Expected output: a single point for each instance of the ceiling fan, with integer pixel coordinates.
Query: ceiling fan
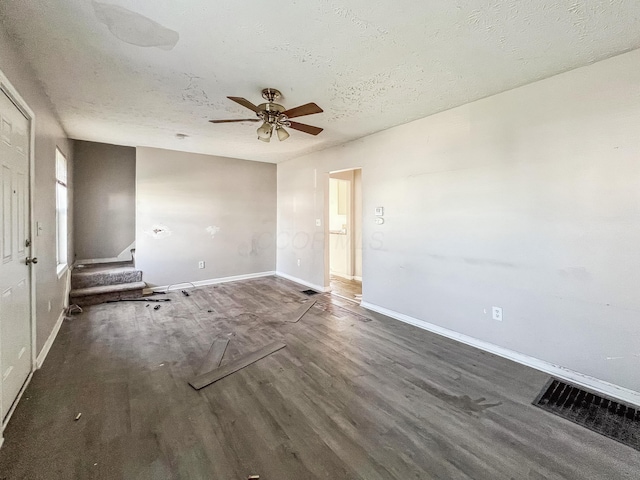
(275, 117)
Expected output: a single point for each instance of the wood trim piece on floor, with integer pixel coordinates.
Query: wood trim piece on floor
(213, 358)
(303, 282)
(206, 379)
(299, 313)
(211, 281)
(601, 386)
(47, 345)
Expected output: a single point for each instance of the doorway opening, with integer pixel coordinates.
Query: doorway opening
(345, 234)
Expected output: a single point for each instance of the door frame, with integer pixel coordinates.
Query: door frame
(327, 237)
(10, 91)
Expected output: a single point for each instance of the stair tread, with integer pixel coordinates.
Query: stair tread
(85, 272)
(120, 287)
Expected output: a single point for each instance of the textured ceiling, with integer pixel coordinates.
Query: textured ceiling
(134, 72)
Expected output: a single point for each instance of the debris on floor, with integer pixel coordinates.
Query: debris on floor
(157, 307)
(74, 309)
(185, 293)
(213, 376)
(254, 477)
(77, 417)
(156, 300)
(298, 314)
(213, 358)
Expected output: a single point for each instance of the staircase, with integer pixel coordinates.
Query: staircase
(94, 283)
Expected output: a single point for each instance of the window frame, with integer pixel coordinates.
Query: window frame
(62, 231)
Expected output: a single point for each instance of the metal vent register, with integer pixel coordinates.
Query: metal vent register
(603, 415)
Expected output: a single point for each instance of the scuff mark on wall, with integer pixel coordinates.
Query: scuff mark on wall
(212, 230)
(133, 28)
(159, 231)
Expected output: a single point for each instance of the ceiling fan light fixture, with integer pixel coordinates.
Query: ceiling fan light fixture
(265, 131)
(282, 134)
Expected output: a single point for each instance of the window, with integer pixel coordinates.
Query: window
(62, 200)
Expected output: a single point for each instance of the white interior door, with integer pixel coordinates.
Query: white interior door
(15, 285)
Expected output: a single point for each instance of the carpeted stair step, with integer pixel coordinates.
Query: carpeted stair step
(104, 293)
(102, 276)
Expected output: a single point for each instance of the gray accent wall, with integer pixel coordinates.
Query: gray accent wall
(105, 199)
(49, 134)
(193, 208)
(528, 200)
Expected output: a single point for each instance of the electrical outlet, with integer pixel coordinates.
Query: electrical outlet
(318, 222)
(497, 313)
(201, 264)
(298, 262)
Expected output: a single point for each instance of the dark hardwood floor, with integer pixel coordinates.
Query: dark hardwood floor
(354, 395)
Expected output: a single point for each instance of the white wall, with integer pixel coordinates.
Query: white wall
(104, 199)
(528, 200)
(216, 209)
(49, 134)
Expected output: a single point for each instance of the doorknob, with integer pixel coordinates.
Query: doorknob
(29, 261)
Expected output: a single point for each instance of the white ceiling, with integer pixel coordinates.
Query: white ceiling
(136, 72)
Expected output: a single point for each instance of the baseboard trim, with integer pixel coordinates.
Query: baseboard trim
(343, 275)
(14, 406)
(624, 394)
(49, 343)
(303, 282)
(211, 281)
(357, 278)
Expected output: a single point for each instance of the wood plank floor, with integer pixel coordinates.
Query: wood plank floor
(349, 289)
(354, 395)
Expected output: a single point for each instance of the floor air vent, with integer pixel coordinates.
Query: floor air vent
(603, 415)
(309, 292)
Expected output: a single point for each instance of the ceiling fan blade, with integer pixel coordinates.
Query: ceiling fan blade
(239, 120)
(308, 109)
(245, 103)
(310, 129)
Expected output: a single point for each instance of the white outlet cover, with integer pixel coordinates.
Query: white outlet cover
(318, 222)
(497, 313)
(379, 211)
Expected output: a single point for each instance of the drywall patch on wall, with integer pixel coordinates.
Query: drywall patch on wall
(133, 28)
(159, 231)
(212, 230)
